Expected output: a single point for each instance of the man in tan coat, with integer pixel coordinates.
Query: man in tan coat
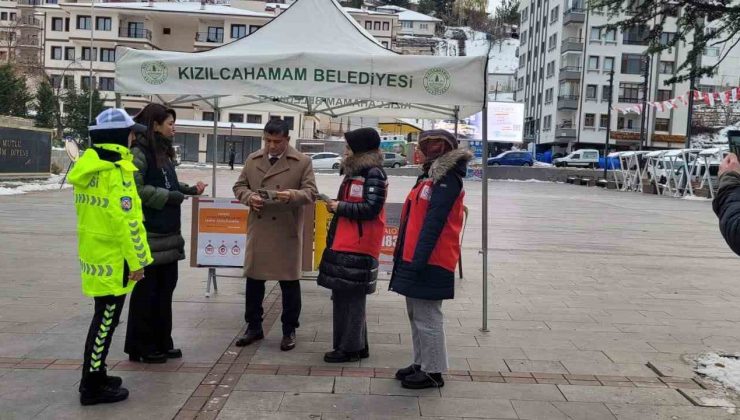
(276, 183)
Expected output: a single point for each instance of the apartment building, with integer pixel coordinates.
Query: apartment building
(417, 32)
(565, 57)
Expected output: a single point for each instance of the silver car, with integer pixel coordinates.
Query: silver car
(393, 160)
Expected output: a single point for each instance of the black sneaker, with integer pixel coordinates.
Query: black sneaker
(403, 373)
(338, 356)
(423, 380)
(102, 395)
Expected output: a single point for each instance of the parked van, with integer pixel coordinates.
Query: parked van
(587, 158)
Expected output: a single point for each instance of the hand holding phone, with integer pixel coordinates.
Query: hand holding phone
(733, 140)
(267, 195)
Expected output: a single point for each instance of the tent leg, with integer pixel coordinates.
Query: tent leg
(484, 228)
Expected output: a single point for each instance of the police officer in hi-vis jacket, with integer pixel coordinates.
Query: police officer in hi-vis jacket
(113, 249)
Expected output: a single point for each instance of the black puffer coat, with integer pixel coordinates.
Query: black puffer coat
(727, 207)
(345, 271)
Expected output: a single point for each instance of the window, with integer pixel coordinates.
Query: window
(106, 84)
(630, 92)
(108, 55)
(57, 24)
(595, 33)
(550, 69)
(85, 82)
(386, 26)
(608, 64)
(605, 92)
(555, 14)
(589, 120)
(56, 53)
(66, 24)
(4, 16)
(591, 92)
(166, 31)
(86, 56)
(610, 35)
(523, 38)
(236, 118)
(84, 22)
(662, 124)
(593, 62)
(636, 35)
(368, 25)
(547, 123)
(521, 61)
(215, 34)
(69, 53)
(69, 82)
(208, 116)
(376, 25)
(290, 121)
(254, 119)
(384, 44)
(238, 31)
(548, 95)
(525, 15)
(103, 24)
(553, 41)
(666, 67)
(604, 121)
(711, 52)
(12, 17)
(666, 38)
(56, 81)
(632, 63)
(520, 83)
(664, 95)
(253, 28)
(424, 26)
(407, 24)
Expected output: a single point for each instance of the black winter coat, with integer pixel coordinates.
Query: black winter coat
(346, 271)
(418, 279)
(727, 207)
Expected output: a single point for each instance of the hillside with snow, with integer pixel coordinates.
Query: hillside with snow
(503, 53)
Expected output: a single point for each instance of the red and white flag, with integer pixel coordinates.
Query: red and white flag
(669, 104)
(684, 99)
(733, 94)
(709, 99)
(698, 95)
(725, 97)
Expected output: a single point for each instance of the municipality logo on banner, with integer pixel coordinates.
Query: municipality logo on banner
(154, 72)
(437, 81)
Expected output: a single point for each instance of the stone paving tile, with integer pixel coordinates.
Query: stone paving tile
(534, 392)
(541, 410)
(348, 385)
(251, 401)
(621, 369)
(350, 404)
(657, 412)
(465, 407)
(239, 415)
(535, 366)
(285, 383)
(655, 396)
(393, 387)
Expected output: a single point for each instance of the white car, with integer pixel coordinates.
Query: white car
(326, 160)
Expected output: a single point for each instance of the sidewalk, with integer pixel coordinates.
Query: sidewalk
(598, 299)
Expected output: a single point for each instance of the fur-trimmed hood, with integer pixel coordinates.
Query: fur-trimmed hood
(456, 160)
(354, 164)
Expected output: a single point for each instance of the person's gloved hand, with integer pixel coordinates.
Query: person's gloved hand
(175, 198)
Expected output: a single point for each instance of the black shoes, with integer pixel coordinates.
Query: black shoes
(338, 356)
(110, 381)
(102, 395)
(423, 380)
(249, 338)
(173, 354)
(151, 358)
(288, 342)
(407, 371)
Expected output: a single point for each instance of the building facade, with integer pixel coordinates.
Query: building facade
(565, 57)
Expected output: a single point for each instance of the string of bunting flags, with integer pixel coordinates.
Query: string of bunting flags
(711, 99)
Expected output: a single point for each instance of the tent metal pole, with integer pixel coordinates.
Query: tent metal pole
(484, 227)
(216, 118)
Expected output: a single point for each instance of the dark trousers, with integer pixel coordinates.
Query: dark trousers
(150, 311)
(291, 304)
(350, 323)
(99, 337)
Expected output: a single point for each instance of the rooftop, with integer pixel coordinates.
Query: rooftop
(409, 15)
(167, 7)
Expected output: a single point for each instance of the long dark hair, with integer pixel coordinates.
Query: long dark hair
(157, 113)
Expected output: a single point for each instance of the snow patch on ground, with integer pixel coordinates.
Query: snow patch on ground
(503, 54)
(26, 186)
(695, 198)
(725, 370)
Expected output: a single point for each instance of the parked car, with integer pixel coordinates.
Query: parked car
(586, 158)
(512, 158)
(326, 160)
(393, 160)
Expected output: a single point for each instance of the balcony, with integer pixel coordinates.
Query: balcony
(575, 15)
(568, 102)
(570, 73)
(209, 37)
(131, 33)
(571, 45)
(629, 100)
(28, 42)
(30, 3)
(565, 133)
(635, 41)
(29, 22)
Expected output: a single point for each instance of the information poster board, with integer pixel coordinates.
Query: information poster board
(219, 236)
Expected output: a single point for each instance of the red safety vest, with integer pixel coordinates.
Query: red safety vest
(446, 252)
(358, 236)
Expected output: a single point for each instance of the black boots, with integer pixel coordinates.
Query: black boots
(98, 388)
(152, 358)
(407, 371)
(250, 337)
(423, 380)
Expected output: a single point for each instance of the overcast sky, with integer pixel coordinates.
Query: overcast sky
(492, 5)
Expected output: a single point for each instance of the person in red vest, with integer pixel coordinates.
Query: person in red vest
(427, 252)
(349, 265)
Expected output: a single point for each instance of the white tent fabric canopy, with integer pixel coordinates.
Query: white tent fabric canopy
(316, 57)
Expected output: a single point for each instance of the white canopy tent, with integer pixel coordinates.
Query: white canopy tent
(316, 59)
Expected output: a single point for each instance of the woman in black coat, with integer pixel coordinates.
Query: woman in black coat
(149, 332)
(349, 266)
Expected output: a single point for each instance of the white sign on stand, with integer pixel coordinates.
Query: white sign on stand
(219, 233)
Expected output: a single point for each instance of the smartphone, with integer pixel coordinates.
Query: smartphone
(267, 195)
(323, 197)
(733, 140)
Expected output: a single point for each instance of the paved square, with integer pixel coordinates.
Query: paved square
(598, 300)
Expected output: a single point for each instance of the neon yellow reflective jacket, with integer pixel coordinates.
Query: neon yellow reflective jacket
(110, 225)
